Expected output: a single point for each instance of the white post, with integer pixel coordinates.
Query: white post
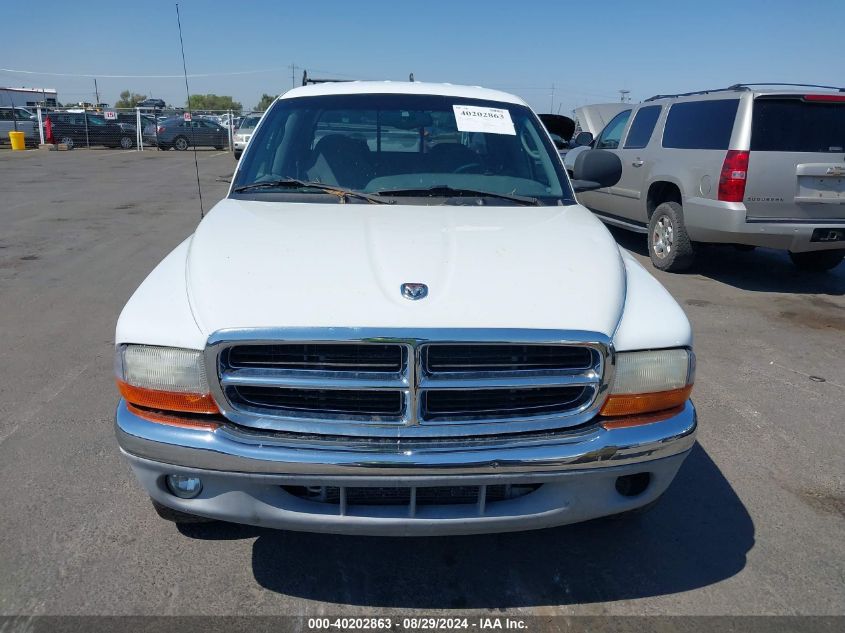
(40, 125)
(231, 133)
(139, 133)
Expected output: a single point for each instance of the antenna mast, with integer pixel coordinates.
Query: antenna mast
(188, 107)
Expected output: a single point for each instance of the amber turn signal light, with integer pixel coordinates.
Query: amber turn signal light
(636, 403)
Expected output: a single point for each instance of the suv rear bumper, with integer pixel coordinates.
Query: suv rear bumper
(243, 473)
(725, 222)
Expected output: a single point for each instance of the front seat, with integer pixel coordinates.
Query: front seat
(342, 160)
(445, 158)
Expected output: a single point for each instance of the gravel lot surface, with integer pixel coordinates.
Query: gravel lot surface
(754, 523)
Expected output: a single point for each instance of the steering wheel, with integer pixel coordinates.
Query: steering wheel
(465, 168)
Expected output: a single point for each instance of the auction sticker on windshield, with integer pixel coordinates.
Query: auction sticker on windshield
(478, 119)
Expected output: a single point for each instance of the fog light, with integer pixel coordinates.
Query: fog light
(184, 486)
(632, 485)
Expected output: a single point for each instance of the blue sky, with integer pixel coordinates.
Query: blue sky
(588, 50)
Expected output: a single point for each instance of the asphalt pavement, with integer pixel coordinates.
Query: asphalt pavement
(754, 523)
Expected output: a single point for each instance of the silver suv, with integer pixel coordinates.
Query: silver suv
(752, 165)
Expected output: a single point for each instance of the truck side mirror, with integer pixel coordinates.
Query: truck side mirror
(595, 169)
(583, 138)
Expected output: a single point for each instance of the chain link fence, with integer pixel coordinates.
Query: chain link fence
(140, 129)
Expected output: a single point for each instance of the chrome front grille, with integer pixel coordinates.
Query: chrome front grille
(399, 383)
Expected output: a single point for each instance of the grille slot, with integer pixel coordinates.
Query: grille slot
(318, 357)
(490, 403)
(501, 358)
(333, 401)
(411, 497)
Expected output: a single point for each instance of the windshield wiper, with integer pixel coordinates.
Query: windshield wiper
(446, 190)
(293, 183)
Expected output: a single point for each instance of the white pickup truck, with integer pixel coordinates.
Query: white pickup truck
(400, 321)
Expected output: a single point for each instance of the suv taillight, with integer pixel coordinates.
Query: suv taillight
(160, 129)
(733, 176)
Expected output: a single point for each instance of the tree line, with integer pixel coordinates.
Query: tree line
(129, 99)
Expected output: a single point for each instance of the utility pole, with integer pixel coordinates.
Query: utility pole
(623, 95)
(293, 68)
(96, 92)
(552, 108)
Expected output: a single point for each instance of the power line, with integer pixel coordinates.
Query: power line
(102, 76)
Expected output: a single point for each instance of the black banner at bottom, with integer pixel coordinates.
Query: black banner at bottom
(401, 623)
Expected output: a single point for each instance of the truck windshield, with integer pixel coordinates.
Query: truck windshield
(421, 146)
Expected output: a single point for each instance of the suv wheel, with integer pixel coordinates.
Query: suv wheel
(66, 140)
(126, 142)
(669, 245)
(180, 143)
(169, 514)
(817, 261)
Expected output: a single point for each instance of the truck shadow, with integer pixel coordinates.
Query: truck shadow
(762, 270)
(699, 534)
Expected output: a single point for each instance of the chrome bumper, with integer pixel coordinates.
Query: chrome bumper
(230, 449)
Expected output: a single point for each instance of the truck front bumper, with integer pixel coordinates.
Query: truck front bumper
(254, 478)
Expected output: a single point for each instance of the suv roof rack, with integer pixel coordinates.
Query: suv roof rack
(745, 86)
(306, 80)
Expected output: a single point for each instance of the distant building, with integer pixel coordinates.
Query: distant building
(29, 97)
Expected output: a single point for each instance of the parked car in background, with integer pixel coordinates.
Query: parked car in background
(22, 114)
(227, 120)
(244, 132)
(179, 134)
(155, 104)
(560, 129)
(591, 120)
(20, 120)
(374, 334)
(752, 165)
(81, 129)
(130, 118)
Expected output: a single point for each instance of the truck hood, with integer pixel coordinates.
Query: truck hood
(270, 264)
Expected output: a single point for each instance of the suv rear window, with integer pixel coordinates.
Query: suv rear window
(700, 124)
(794, 125)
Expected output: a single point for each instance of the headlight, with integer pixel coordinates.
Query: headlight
(650, 381)
(163, 378)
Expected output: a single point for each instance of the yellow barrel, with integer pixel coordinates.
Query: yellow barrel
(17, 140)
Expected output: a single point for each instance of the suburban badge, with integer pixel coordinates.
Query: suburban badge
(414, 292)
